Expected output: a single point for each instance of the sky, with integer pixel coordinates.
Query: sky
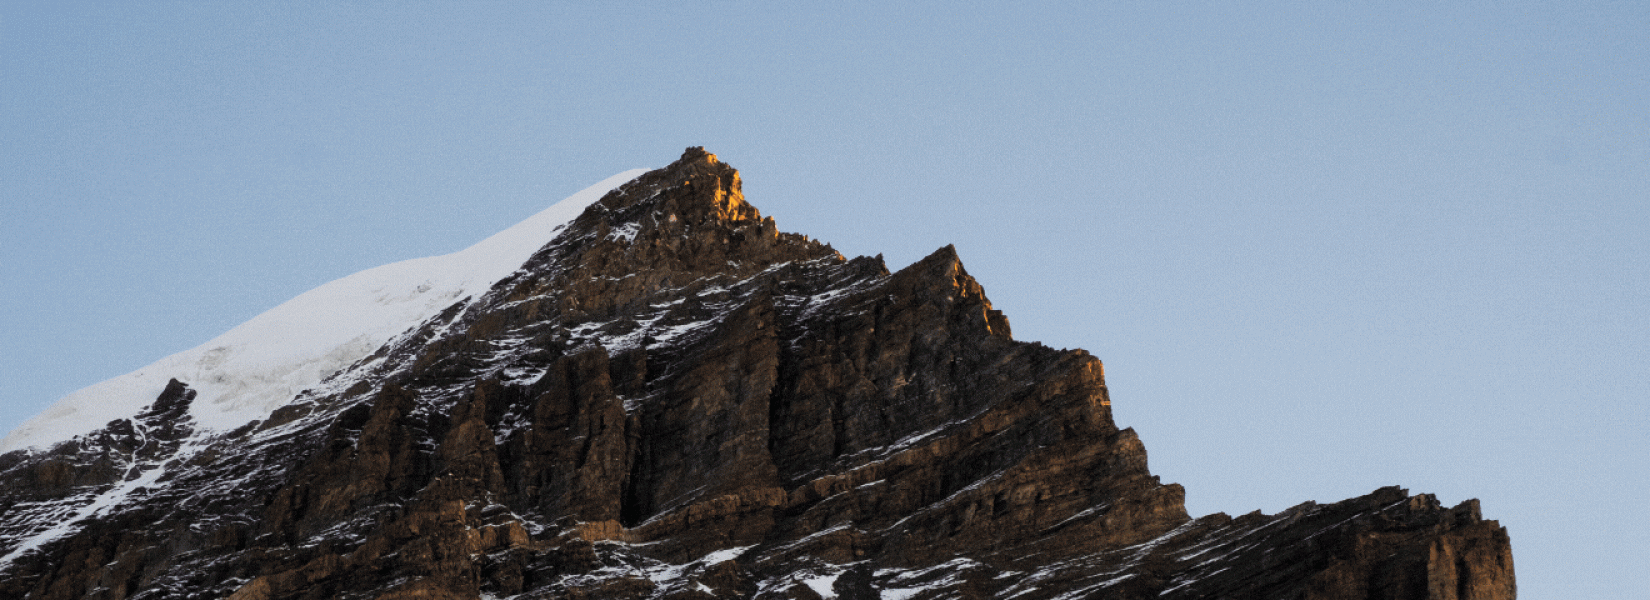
(1321, 249)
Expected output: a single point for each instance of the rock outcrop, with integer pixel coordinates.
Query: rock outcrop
(674, 399)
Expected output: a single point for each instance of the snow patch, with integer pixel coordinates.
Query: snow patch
(70, 525)
(625, 233)
(948, 576)
(823, 585)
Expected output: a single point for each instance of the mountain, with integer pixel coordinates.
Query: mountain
(649, 391)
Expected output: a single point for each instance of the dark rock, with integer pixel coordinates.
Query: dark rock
(672, 399)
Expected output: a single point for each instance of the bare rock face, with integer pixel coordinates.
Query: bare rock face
(673, 399)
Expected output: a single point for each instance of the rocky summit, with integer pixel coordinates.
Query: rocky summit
(674, 399)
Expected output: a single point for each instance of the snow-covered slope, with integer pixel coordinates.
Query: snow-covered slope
(262, 364)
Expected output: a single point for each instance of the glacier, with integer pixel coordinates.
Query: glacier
(262, 364)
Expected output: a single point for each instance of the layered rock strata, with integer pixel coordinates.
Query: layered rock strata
(674, 399)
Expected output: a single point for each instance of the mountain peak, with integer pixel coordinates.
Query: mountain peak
(697, 185)
(697, 154)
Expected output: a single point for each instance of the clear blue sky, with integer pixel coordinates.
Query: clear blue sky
(1320, 249)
